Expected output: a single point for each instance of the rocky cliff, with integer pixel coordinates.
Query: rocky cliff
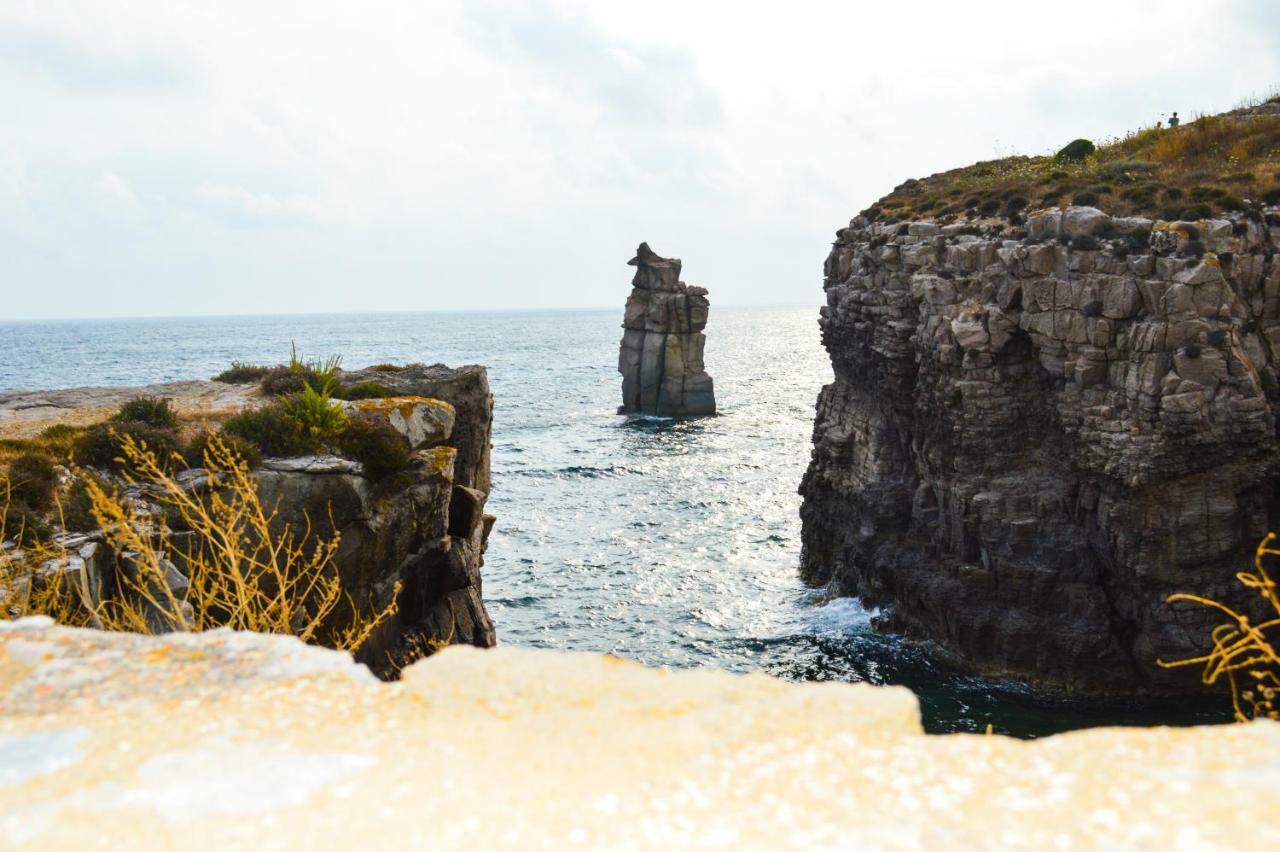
(660, 357)
(241, 740)
(1039, 429)
(422, 529)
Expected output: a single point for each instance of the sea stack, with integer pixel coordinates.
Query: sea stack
(662, 341)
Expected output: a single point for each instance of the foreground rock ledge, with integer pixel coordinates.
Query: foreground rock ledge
(252, 741)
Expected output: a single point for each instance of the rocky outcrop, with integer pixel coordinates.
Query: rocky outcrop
(423, 530)
(250, 741)
(1035, 435)
(662, 343)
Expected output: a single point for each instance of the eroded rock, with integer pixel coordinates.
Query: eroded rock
(661, 355)
(1019, 460)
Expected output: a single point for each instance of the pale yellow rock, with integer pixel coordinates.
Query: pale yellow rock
(240, 741)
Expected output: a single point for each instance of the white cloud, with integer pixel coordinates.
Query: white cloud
(403, 155)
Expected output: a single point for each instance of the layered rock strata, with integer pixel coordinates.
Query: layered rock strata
(252, 741)
(1037, 434)
(661, 355)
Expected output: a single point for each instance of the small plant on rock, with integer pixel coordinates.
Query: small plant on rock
(364, 390)
(153, 411)
(272, 429)
(376, 444)
(1075, 151)
(239, 373)
(320, 420)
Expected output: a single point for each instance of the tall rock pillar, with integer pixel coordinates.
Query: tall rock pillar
(662, 341)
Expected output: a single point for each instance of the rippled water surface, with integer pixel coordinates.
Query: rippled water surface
(669, 542)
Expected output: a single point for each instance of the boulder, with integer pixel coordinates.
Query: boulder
(423, 421)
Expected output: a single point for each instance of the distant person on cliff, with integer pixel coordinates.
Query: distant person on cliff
(1174, 121)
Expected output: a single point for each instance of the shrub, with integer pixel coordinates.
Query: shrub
(375, 444)
(282, 381)
(101, 445)
(22, 524)
(1085, 199)
(1173, 193)
(1075, 151)
(197, 448)
(989, 207)
(150, 410)
(76, 511)
(1271, 196)
(1084, 242)
(320, 421)
(1193, 233)
(1196, 211)
(395, 368)
(1050, 198)
(33, 481)
(1016, 204)
(58, 440)
(1191, 350)
(239, 374)
(364, 390)
(1195, 248)
(272, 429)
(1204, 193)
(1231, 203)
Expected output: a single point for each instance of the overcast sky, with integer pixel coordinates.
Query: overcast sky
(261, 157)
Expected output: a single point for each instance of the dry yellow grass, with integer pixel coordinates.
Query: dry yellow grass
(1222, 161)
(245, 570)
(1243, 652)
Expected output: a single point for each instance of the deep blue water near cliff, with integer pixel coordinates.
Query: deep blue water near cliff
(669, 542)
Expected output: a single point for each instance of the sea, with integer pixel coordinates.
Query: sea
(670, 542)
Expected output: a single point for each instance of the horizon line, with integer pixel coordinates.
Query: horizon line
(127, 317)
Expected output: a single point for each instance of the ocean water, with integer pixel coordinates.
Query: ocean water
(668, 542)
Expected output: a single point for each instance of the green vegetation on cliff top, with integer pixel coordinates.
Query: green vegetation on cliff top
(1212, 165)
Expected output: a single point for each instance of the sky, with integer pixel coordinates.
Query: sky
(183, 158)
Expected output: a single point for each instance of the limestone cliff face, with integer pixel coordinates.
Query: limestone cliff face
(1035, 435)
(662, 343)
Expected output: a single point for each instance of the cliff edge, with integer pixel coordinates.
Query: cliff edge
(1043, 422)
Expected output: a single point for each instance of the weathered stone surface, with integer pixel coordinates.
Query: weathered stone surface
(24, 413)
(660, 357)
(467, 390)
(1018, 464)
(232, 740)
(421, 420)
